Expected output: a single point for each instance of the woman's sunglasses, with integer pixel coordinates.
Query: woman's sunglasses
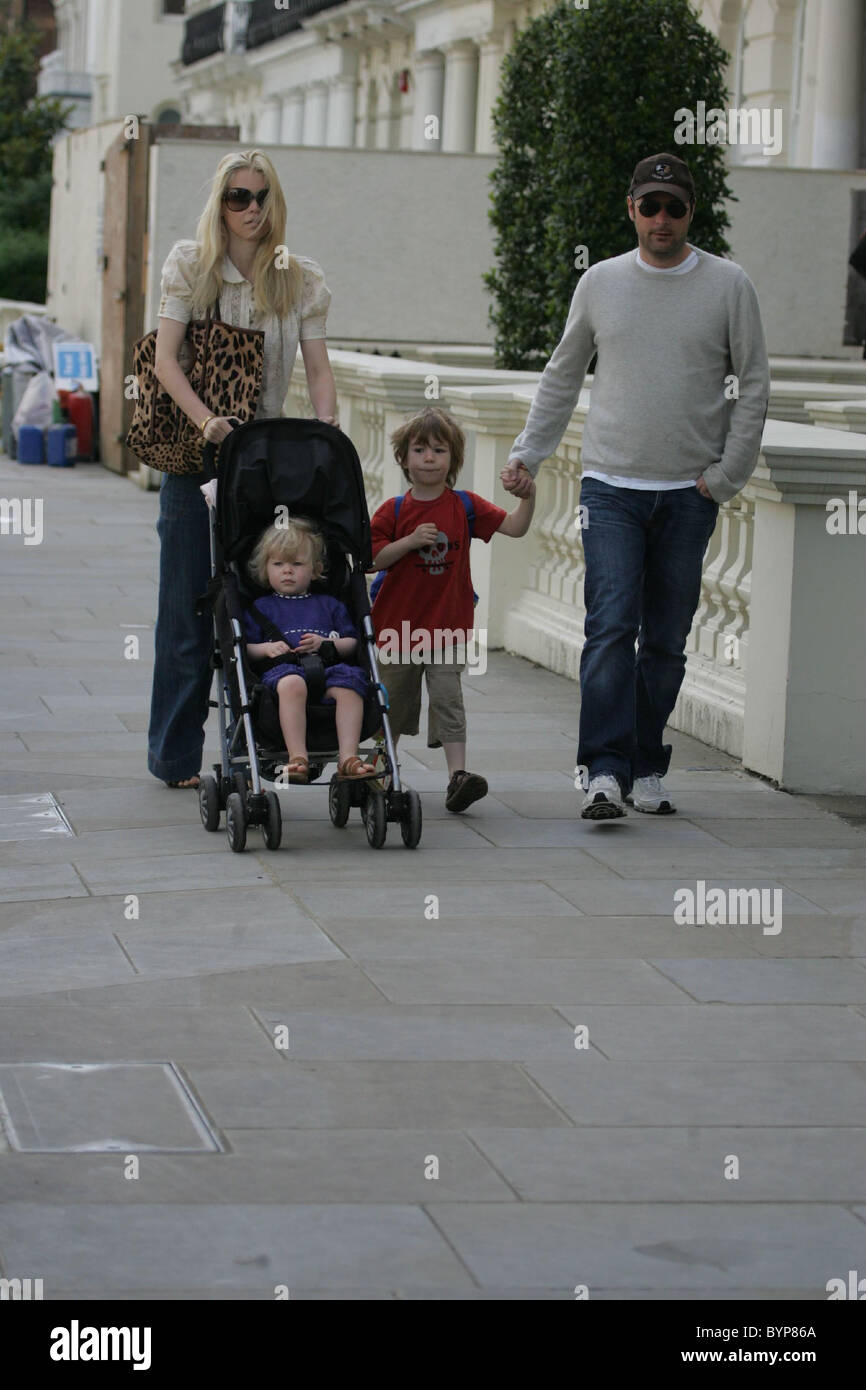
(237, 199)
(648, 207)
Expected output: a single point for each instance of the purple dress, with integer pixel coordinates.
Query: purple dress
(295, 614)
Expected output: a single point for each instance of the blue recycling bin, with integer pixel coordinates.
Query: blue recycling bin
(31, 444)
(61, 445)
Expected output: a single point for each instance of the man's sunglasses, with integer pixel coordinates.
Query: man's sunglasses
(648, 207)
(237, 199)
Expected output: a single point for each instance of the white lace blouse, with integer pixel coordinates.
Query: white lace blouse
(236, 307)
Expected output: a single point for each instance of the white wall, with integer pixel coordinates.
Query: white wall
(74, 296)
(403, 238)
(790, 233)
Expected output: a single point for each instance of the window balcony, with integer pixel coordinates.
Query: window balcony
(252, 23)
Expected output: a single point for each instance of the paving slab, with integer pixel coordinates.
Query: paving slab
(272, 1167)
(719, 1031)
(709, 1245)
(382, 1094)
(769, 981)
(523, 981)
(673, 1164)
(228, 1246)
(704, 1092)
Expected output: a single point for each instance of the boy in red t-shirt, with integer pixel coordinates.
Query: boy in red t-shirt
(423, 613)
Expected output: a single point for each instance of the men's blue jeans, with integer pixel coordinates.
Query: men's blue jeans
(644, 553)
(182, 673)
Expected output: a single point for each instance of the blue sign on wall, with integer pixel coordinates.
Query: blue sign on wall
(74, 363)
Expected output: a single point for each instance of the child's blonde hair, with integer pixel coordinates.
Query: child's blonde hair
(430, 426)
(298, 537)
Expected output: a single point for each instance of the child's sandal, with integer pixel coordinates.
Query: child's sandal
(296, 771)
(349, 770)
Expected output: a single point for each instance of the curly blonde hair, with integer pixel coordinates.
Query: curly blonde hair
(298, 537)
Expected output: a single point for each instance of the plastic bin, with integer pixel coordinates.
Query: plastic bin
(61, 445)
(31, 444)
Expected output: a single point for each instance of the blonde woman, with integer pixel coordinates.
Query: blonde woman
(235, 257)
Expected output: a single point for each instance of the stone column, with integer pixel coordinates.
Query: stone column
(461, 89)
(429, 87)
(838, 92)
(270, 121)
(292, 128)
(315, 113)
(341, 110)
(805, 716)
(489, 63)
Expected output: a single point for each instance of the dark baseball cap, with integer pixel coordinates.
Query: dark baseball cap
(662, 173)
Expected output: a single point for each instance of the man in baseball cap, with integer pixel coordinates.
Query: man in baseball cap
(664, 443)
(662, 173)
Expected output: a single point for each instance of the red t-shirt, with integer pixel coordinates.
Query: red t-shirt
(430, 588)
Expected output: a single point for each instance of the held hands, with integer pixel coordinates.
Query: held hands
(425, 534)
(516, 479)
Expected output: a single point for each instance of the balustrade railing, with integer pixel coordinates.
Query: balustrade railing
(540, 614)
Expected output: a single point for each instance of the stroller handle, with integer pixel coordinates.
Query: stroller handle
(208, 462)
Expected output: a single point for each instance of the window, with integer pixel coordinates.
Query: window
(173, 6)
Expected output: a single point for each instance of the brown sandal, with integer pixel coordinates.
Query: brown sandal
(301, 774)
(347, 770)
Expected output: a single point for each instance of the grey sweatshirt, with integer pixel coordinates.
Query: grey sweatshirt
(658, 407)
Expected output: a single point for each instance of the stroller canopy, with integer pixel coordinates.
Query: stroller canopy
(305, 465)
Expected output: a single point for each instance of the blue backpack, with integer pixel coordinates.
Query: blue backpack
(470, 521)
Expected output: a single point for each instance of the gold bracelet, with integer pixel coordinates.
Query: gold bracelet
(206, 422)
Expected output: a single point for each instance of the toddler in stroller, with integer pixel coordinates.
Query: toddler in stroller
(289, 624)
(301, 685)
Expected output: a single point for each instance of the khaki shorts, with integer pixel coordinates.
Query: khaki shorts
(446, 719)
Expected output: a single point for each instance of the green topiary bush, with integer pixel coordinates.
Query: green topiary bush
(585, 94)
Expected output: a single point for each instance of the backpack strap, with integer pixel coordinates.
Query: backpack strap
(379, 579)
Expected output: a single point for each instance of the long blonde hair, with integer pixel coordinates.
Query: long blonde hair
(275, 290)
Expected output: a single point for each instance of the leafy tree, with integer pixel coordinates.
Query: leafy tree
(28, 124)
(585, 94)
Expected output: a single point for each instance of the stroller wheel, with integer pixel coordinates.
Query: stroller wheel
(410, 825)
(236, 823)
(273, 826)
(375, 820)
(339, 802)
(209, 802)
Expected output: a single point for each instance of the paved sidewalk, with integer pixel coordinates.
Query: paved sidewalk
(221, 1074)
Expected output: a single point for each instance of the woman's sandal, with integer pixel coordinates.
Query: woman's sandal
(186, 784)
(296, 771)
(347, 771)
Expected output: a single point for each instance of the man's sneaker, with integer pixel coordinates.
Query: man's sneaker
(603, 800)
(649, 794)
(463, 789)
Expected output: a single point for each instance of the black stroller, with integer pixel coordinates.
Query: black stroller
(312, 470)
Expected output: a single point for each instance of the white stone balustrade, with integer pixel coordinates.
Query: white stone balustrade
(776, 670)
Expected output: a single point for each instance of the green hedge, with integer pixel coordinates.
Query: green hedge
(585, 94)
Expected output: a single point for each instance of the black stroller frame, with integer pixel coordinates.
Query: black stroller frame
(310, 469)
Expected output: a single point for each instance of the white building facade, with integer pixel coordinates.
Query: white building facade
(424, 74)
(115, 58)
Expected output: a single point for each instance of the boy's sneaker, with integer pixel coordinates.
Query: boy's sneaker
(463, 789)
(603, 800)
(649, 794)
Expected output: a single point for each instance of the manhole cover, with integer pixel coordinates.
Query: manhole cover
(32, 817)
(101, 1107)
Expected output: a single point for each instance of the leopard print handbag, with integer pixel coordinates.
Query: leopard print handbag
(224, 367)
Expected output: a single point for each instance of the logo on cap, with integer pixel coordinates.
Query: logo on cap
(663, 171)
